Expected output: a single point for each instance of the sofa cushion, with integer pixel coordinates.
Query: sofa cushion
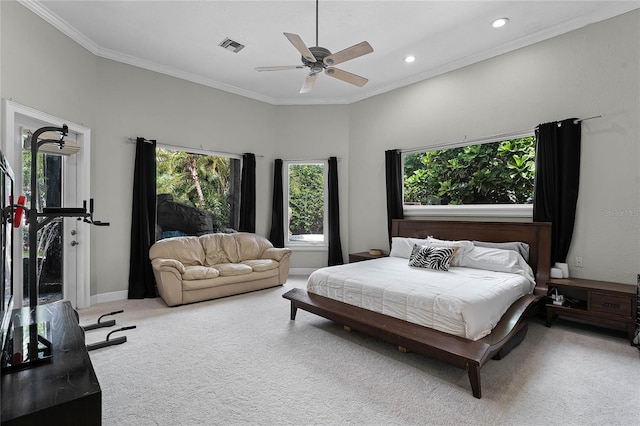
(214, 248)
(233, 248)
(242, 280)
(251, 246)
(199, 273)
(260, 265)
(187, 250)
(233, 269)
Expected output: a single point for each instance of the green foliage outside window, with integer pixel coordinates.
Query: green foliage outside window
(306, 199)
(202, 181)
(491, 173)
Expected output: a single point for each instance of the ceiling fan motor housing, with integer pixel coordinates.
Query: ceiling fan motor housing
(319, 53)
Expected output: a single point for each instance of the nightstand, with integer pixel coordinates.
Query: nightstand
(364, 255)
(600, 302)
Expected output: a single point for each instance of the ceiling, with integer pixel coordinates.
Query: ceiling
(181, 38)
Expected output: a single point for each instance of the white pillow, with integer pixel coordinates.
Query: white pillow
(402, 246)
(493, 259)
(464, 247)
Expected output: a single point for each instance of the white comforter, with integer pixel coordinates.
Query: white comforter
(463, 301)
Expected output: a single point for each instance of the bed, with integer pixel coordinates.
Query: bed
(456, 350)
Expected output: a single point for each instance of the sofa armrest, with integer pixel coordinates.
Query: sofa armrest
(168, 265)
(275, 253)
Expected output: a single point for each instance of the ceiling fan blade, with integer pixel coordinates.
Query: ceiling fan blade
(280, 68)
(346, 76)
(352, 52)
(302, 48)
(309, 82)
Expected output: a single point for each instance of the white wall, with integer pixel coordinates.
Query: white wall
(134, 102)
(588, 72)
(311, 133)
(44, 69)
(592, 71)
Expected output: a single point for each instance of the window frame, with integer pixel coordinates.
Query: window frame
(468, 210)
(306, 245)
(205, 152)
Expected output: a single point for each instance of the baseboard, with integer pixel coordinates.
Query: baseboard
(109, 297)
(301, 271)
(123, 294)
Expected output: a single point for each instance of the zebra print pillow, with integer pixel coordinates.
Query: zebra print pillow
(430, 257)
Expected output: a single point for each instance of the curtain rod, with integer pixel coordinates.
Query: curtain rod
(494, 138)
(579, 120)
(185, 148)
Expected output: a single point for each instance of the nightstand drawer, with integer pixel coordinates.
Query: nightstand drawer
(610, 304)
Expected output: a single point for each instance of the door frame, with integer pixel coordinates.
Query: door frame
(14, 114)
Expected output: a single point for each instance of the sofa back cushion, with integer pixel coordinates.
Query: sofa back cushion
(214, 248)
(251, 246)
(187, 250)
(233, 248)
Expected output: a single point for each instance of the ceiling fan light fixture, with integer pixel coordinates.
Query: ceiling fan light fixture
(500, 22)
(319, 59)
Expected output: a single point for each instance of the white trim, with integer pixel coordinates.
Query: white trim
(471, 210)
(302, 271)
(306, 246)
(109, 297)
(15, 112)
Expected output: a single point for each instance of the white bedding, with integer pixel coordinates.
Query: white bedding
(463, 301)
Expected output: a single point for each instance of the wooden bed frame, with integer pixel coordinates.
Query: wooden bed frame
(457, 351)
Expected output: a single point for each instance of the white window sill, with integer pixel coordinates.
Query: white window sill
(477, 210)
(307, 247)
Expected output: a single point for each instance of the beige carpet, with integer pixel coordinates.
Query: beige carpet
(240, 360)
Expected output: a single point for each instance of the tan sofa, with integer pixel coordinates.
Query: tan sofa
(192, 269)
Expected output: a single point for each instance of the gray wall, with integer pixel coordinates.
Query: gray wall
(588, 72)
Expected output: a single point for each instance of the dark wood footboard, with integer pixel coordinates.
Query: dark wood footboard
(457, 351)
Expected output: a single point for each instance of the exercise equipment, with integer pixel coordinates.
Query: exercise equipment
(108, 342)
(109, 323)
(36, 338)
(20, 208)
(100, 323)
(38, 219)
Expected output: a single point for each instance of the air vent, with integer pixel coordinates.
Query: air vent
(231, 45)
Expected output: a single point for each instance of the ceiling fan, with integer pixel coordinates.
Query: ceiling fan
(319, 59)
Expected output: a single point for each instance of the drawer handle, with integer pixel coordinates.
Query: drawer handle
(611, 305)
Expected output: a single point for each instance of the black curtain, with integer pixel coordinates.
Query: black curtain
(556, 181)
(335, 246)
(393, 172)
(276, 235)
(143, 221)
(248, 194)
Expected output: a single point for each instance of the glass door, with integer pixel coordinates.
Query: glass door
(56, 239)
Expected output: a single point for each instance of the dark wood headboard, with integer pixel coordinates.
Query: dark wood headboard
(536, 234)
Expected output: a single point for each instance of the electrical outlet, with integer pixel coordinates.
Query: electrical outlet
(578, 262)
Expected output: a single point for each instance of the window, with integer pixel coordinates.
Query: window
(487, 177)
(203, 189)
(306, 203)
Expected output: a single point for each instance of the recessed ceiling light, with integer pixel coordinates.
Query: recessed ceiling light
(409, 59)
(500, 22)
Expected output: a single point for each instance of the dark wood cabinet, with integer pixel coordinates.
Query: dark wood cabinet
(600, 302)
(64, 391)
(364, 255)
